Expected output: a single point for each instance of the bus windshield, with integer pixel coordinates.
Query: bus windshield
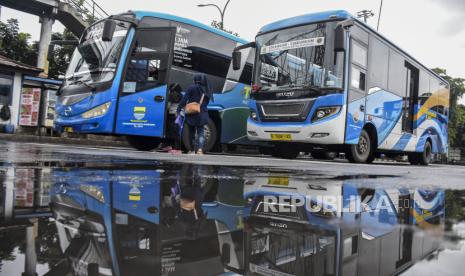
(299, 58)
(95, 60)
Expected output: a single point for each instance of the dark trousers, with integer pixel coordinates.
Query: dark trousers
(199, 133)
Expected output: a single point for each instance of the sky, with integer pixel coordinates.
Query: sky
(433, 31)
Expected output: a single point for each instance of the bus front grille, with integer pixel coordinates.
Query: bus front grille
(284, 111)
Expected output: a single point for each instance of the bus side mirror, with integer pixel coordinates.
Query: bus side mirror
(339, 39)
(237, 60)
(108, 30)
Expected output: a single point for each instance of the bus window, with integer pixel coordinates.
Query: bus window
(198, 50)
(358, 79)
(424, 91)
(359, 65)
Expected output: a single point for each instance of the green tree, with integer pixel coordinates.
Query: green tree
(15, 44)
(61, 55)
(457, 111)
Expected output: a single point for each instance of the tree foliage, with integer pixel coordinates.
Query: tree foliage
(61, 55)
(217, 25)
(457, 110)
(15, 44)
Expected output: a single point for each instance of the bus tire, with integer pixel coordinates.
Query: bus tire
(427, 155)
(211, 136)
(322, 155)
(363, 151)
(266, 150)
(413, 159)
(143, 143)
(285, 152)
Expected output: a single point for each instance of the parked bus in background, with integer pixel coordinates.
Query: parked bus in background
(128, 72)
(327, 80)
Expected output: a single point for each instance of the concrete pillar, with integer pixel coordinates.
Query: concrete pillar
(30, 263)
(44, 43)
(9, 187)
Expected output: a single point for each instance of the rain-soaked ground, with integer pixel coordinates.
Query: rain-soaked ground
(82, 211)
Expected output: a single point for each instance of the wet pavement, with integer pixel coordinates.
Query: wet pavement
(93, 211)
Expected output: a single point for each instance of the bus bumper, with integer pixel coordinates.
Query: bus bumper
(326, 132)
(97, 125)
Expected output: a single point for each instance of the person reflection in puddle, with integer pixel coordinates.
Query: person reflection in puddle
(185, 203)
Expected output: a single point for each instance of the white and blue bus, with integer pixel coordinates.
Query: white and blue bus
(128, 72)
(327, 80)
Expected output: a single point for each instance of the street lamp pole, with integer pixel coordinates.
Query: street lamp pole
(379, 14)
(222, 11)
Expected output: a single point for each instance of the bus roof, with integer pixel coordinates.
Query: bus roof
(334, 15)
(141, 14)
(305, 19)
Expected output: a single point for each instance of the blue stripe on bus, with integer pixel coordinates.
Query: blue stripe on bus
(403, 142)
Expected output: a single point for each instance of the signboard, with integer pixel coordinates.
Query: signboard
(30, 105)
(295, 44)
(49, 108)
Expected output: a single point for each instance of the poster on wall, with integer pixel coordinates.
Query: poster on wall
(30, 104)
(48, 116)
(24, 188)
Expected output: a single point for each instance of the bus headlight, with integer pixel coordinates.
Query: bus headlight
(253, 115)
(97, 111)
(93, 191)
(323, 112)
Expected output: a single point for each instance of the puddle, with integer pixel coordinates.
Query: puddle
(134, 217)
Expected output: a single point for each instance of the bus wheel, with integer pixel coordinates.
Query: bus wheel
(363, 151)
(413, 159)
(143, 143)
(286, 152)
(322, 155)
(427, 155)
(211, 136)
(423, 158)
(265, 150)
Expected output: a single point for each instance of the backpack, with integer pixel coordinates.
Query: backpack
(5, 113)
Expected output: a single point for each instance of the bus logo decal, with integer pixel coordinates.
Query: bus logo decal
(139, 112)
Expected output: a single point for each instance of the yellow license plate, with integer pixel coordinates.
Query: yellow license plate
(281, 137)
(278, 180)
(69, 129)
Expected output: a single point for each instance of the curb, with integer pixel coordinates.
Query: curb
(62, 140)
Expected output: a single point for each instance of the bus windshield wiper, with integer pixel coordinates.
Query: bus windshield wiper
(90, 86)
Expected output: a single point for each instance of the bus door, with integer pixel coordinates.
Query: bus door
(413, 76)
(356, 104)
(136, 216)
(143, 92)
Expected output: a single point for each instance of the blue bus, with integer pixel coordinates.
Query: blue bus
(128, 72)
(121, 221)
(362, 232)
(327, 80)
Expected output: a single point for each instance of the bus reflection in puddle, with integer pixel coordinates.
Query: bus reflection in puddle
(198, 220)
(379, 236)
